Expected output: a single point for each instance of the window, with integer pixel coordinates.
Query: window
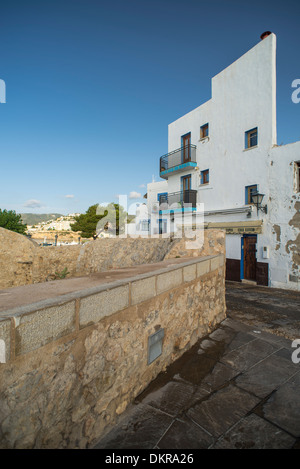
(162, 198)
(251, 138)
(163, 226)
(145, 225)
(249, 190)
(204, 176)
(297, 176)
(204, 131)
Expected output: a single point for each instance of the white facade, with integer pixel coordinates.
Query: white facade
(243, 99)
(140, 225)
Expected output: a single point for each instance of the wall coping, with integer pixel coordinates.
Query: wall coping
(86, 292)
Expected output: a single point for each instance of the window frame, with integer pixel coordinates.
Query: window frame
(203, 175)
(164, 195)
(204, 128)
(143, 224)
(247, 193)
(297, 176)
(248, 135)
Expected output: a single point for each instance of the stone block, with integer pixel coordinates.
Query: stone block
(283, 407)
(184, 433)
(203, 268)
(143, 290)
(222, 409)
(254, 432)
(215, 263)
(4, 340)
(189, 272)
(95, 307)
(142, 429)
(267, 375)
(38, 328)
(169, 280)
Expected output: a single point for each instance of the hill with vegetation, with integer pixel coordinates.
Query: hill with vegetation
(34, 218)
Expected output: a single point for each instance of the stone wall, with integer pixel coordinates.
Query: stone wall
(74, 363)
(206, 243)
(114, 253)
(23, 262)
(16, 259)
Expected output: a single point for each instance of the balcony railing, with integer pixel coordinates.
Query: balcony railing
(178, 160)
(178, 200)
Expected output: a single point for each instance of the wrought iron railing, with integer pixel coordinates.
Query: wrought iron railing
(178, 157)
(182, 199)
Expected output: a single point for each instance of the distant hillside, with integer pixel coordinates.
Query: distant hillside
(34, 218)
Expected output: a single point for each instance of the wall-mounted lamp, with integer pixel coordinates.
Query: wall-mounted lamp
(257, 200)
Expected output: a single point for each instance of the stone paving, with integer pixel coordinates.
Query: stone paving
(273, 310)
(236, 388)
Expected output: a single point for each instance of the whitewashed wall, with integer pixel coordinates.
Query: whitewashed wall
(244, 97)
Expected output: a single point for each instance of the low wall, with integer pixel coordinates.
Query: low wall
(75, 362)
(16, 259)
(207, 243)
(22, 262)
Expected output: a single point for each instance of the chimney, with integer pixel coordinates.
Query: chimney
(265, 34)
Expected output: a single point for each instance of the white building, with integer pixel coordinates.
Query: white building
(224, 151)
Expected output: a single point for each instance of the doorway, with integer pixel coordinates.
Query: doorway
(248, 271)
(186, 183)
(186, 148)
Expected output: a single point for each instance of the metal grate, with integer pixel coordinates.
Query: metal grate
(155, 342)
(178, 199)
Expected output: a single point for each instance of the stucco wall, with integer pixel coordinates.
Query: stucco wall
(282, 231)
(243, 97)
(74, 365)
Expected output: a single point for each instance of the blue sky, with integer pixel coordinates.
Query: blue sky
(92, 85)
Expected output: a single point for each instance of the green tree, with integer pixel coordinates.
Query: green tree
(112, 216)
(11, 221)
(86, 222)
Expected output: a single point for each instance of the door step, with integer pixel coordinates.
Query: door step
(250, 282)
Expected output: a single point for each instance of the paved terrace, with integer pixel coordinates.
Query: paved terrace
(236, 388)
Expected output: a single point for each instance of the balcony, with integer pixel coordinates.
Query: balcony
(178, 201)
(177, 161)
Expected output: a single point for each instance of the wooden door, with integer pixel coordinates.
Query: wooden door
(186, 142)
(250, 257)
(186, 186)
(186, 183)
